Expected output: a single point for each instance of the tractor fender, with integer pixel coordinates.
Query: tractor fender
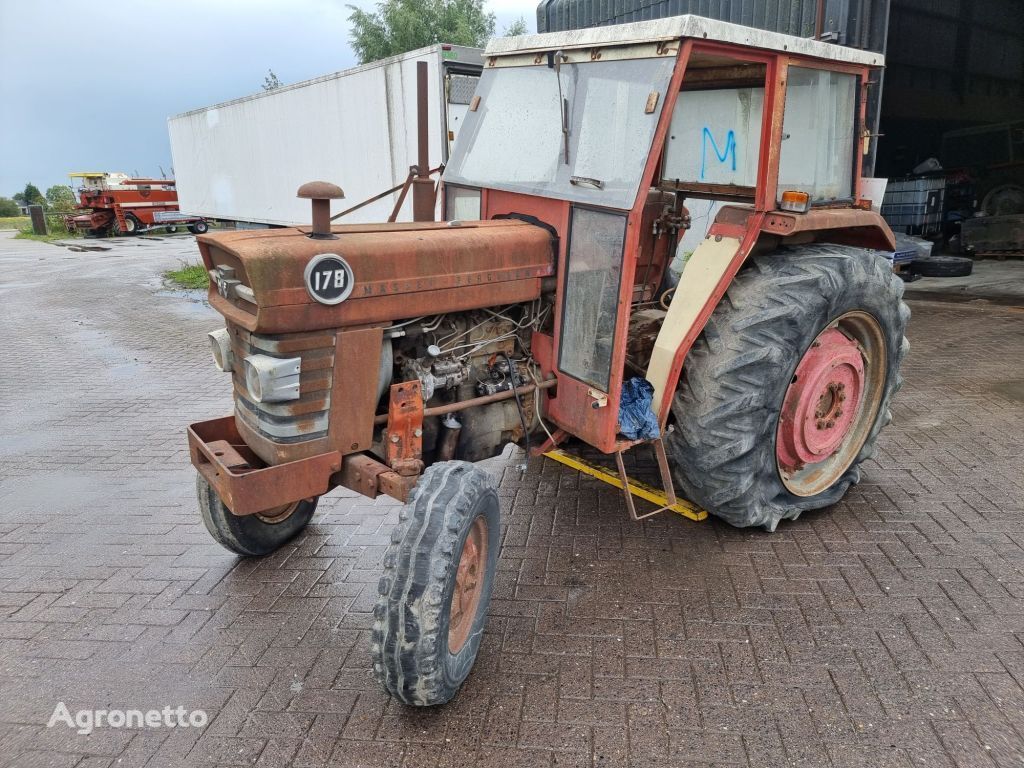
(843, 226)
(733, 236)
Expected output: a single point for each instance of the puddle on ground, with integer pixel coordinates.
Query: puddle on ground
(189, 304)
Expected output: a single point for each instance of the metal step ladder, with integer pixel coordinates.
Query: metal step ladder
(665, 499)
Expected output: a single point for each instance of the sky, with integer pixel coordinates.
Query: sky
(88, 86)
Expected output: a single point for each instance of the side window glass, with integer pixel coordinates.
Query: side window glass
(715, 137)
(818, 134)
(592, 281)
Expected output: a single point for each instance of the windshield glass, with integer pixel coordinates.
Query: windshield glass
(514, 140)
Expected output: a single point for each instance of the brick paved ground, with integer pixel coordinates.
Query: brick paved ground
(884, 632)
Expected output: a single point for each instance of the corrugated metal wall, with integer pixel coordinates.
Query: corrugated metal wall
(857, 23)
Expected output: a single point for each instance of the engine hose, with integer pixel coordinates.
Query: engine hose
(519, 403)
(666, 298)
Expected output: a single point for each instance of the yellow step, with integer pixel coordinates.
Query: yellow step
(639, 489)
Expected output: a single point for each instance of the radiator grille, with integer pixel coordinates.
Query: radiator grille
(292, 421)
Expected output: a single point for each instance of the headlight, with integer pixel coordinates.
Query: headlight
(220, 344)
(271, 379)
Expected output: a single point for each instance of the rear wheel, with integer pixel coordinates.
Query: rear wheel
(436, 586)
(251, 535)
(784, 393)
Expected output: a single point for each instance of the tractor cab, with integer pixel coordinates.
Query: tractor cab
(605, 134)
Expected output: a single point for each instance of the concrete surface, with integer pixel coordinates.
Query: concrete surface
(886, 631)
(991, 280)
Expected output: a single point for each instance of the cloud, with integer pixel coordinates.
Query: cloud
(91, 87)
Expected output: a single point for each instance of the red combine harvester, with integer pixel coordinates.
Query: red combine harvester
(119, 205)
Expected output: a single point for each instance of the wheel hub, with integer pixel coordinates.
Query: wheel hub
(822, 402)
(469, 585)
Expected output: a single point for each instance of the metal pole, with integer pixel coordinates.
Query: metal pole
(423, 187)
(461, 405)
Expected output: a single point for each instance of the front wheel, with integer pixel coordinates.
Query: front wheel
(436, 587)
(786, 390)
(251, 535)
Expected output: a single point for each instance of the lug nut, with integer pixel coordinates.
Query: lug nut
(830, 424)
(394, 438)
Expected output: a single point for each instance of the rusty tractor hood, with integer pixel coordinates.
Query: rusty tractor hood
(399, 271)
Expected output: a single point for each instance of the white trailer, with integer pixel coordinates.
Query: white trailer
(243, 160)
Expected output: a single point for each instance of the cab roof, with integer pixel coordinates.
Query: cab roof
(676, 27)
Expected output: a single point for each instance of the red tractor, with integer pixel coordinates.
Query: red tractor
(389, 358)
(119, 205)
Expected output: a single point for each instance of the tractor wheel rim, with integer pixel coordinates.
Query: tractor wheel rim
(278, 514)
(831, 404)
(469, 586)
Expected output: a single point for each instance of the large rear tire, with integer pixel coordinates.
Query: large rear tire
(436, 587)
(251, 535)
(784, 393)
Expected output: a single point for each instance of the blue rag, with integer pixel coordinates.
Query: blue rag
(636, 417)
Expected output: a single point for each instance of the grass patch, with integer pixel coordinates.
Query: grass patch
(192, 276)
(54, 225)
(28, 234)
(14, 222)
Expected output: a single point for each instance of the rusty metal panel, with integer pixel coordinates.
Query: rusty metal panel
(361, 473)
(242, 482)
(400, 270)
(356, 371)
(852, 226)
(403, 439)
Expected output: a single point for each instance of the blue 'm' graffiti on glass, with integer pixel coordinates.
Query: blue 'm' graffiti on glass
(730, 149)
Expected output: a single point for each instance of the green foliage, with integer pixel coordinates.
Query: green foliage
(8, 208)
(271, 81)
(30, 196)
(192, 276)
(517, 27)
(398, 26)
(60, 198)
(55, 227)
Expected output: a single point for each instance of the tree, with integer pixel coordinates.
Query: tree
(270, 82)
(61, 198)
(517, 27)
(30, 196)
(398, 26)
(8, 207)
